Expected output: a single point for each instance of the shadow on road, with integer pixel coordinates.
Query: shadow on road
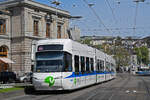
(29, 90)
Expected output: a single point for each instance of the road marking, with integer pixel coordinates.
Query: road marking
(127, 91)
(134, 91)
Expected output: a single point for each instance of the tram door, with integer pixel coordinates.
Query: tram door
(83, 70)
(89, 71)
(77, 79)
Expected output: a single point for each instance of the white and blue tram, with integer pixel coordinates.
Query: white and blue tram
(143, 71)
(63, 64)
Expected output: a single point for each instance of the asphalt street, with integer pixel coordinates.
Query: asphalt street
(124, 87)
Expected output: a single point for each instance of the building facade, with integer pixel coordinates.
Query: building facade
(74, 33)
(25, 21)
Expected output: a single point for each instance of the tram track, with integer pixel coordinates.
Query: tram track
(104, 91)
(116, 90)
(94, 94)
(146, 88)
(143, 92)
(137, 87)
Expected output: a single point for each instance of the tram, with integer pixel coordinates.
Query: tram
(64, 64)
(143, 71)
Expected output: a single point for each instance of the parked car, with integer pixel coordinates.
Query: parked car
(27, 77)
(7, 77)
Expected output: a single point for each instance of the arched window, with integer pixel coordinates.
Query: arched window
(3, 51)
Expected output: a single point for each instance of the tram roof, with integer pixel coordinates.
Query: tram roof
(68, 44)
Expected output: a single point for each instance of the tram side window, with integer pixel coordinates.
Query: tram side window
(87, 65)
(101, 65)
(92, 64)
(67, 62)
(76, 63)
(97, 65)
(112, 67)
(107, 66)
(82, 64)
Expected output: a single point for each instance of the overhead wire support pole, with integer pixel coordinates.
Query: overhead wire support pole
(99, 19)
(57, 3)
(136, 12)
(135, 17)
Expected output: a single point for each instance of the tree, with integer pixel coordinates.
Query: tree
(118, 41)
(142, 55)
(87, 41)
(99, 47)
(121, 56)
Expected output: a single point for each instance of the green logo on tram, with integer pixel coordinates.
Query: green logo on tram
(75, 81)
(50, 80)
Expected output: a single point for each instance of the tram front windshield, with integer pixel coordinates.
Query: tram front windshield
(53, 61)
(144, 69)
(49, 61)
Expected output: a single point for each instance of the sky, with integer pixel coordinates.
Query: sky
(114, 17)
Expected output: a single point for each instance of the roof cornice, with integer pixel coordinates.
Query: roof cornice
(30, 3)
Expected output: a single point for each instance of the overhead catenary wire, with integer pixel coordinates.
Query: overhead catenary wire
(118, 28)
(112, 11)
(113, 14)
(134, 25)
(98, 17)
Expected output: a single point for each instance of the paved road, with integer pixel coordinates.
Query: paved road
(124, 87)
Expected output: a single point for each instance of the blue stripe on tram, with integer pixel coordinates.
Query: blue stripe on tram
(87, 74)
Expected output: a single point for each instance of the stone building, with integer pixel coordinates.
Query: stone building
(74, 33)
(25, 21)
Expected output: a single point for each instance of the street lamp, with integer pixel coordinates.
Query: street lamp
(138, 0)
(75, 17)
(56, 3)
(91, 4)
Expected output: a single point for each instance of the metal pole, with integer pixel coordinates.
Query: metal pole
(56, 22)
(57, 3)
(136, 12)
(11, 39)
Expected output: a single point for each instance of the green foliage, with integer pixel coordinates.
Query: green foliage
(121, 56)
(118, 41)
(142, 55)
(99, 47)
(87, 41)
